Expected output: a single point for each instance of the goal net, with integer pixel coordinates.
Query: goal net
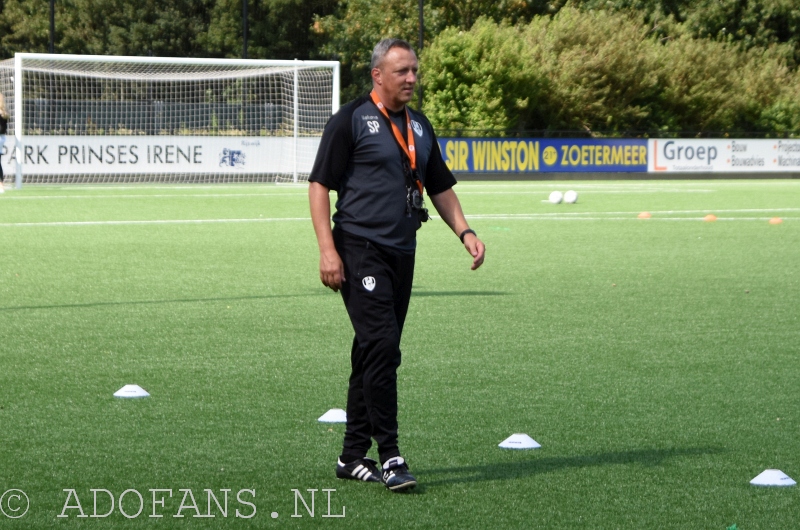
(147, 119)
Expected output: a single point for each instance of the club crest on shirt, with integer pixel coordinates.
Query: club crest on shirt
(417, 126)
(369, 283)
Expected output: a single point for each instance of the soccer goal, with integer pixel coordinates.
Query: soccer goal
(78, 118)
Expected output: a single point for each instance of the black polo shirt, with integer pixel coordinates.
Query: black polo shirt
(359, 157)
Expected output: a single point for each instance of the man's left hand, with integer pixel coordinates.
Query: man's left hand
(476, 248)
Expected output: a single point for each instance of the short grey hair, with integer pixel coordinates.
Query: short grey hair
(383, 47)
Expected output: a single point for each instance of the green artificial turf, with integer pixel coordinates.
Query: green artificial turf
(655, 360)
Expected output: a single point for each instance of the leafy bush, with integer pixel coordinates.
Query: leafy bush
(601, 69)
(605, 73)
(478, 79)
(350, 35)
(752, 24)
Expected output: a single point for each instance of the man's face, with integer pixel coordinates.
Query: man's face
(395, 78)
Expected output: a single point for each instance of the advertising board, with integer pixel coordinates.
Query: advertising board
(725, 156)
(531, 155)
(130, 155)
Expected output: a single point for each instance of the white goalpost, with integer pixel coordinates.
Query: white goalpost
(77, 118)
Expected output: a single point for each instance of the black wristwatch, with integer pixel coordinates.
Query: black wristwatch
(465, 232)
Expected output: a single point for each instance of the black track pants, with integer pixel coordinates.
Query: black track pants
(376, 295)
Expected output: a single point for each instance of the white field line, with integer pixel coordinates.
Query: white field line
(287, 189)
(631, 218)
(507, 217)
(159, 222)
(593, 192)
(159, 196)
(546, 188)
(302, 193)
(107, 187)
(462, 186)
(471, 184)
(651, 184)
(653, 212)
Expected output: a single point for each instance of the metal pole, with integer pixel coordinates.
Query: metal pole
(244, 29)
(18, 121)
(52, 26)
(336, 90)
(419, 49)
(296, 114)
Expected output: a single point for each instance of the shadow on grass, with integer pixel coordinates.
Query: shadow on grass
(155, 302)
(228, 299)
(458, 293)
(432, 478)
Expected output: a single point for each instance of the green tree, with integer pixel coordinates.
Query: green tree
(113, 27)
(464, 14)
(173, 28)
(166, 28)
(352, 31)
(605, 73)
(649, 8)
(715, 87)
(574, 71)
(349, 34)
(754, 23)
(478, 80)
(600, 67)
(24, 26)
(278, 29)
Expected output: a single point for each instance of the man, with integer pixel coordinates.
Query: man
(3, 130)
(379, 155)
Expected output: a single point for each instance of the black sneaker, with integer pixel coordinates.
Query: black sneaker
(396, 476)
(365, 469)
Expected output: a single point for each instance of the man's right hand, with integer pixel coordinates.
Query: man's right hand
(331, 270)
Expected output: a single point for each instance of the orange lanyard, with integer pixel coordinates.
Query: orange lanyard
(407, 149)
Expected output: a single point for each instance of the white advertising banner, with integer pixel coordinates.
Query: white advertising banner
(723, 156)
(131, 155)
